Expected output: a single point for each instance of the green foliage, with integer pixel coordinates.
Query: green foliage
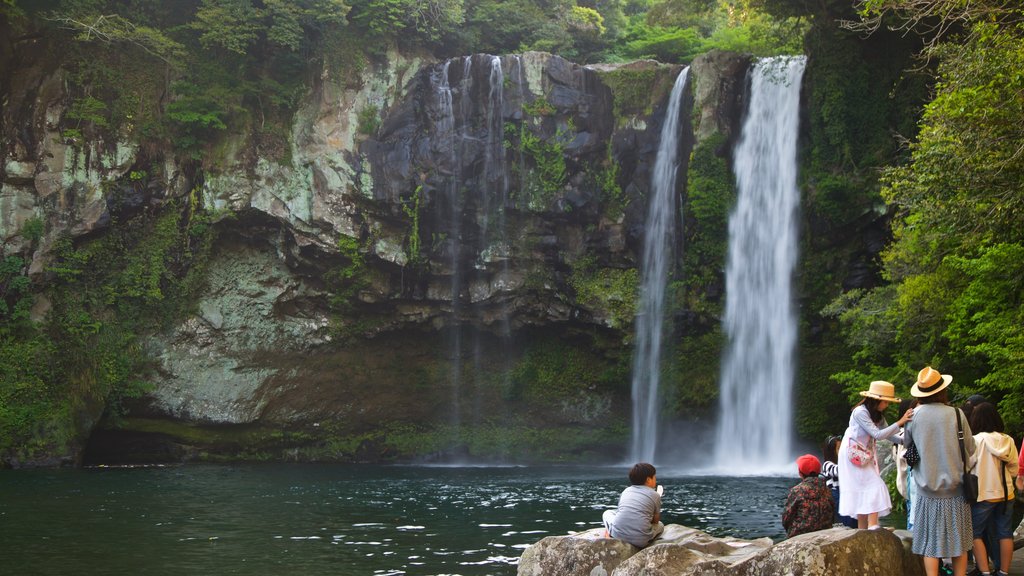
(588, 33)
(29, 398)
(380, 18)
(230, 60)
(231, 24)
(711, 194)
(549, 158)
(412, 211)
(588, 19)
(15, 293)
(427, 21)
(240, 25)
(955, 298)
(822, 405)
(679, 30)
(368, 120)
(484, 441)
(609, 292)
(93, 23)
(347, 281)
(607, 178)
(857, 100)
(32, 229)
(634, 91)
(195, 116)
(57, 377)
(10, 10)
(664, 44)
(90, 110)
(113, 94)
(538, 107)
(691, 378)
(985, 320)
(553, 370)
(760, 35)
(967, 168)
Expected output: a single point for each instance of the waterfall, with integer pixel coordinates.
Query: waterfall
(495, 178)
(451, 143)
(659, 244)
(468, 130)
(755, 421)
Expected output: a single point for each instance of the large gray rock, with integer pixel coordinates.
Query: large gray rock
(718, 79)
(585, 554)
(836, 552)
(683, 551)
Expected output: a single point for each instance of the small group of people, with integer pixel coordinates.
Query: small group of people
(941, 448)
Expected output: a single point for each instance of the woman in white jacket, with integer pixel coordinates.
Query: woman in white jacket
(862, 493)
(995, 463)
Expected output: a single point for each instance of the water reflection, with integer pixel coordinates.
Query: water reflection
(276, 519)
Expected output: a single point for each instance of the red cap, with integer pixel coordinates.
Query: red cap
(808, 464)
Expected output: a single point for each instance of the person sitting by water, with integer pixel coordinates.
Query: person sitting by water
(638, 517)
(809, 506)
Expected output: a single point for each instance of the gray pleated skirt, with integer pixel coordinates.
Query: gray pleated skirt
(942, 527)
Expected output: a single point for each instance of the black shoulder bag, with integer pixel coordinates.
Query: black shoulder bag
(911, 455)
(970, 481)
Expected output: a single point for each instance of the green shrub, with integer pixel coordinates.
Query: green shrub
(368, 120)
(612, 292)
(711, 194)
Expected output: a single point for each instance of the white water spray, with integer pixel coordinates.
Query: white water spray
(494, 153)
(659, 244)
(755, 421)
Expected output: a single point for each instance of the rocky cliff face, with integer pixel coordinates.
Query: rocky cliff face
(436, 247)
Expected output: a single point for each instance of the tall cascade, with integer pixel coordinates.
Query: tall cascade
(472, 204)
(494, 189)
(659, 244)
(451, 142)
(755, 421)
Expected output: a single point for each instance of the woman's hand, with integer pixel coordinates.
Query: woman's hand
(907, 417)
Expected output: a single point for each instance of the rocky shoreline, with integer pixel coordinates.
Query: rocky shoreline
(683, 551)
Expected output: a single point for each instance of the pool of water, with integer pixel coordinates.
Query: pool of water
(333, 519)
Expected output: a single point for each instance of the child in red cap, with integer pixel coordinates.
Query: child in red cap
(809, 506)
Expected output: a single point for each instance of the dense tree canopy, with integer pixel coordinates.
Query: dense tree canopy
(955, 267)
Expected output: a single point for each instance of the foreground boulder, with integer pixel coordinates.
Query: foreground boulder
(683, 551)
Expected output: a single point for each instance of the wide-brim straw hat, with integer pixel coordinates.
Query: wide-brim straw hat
(929, 382)
(881, 390)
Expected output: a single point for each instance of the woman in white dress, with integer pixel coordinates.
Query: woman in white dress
(864, 495)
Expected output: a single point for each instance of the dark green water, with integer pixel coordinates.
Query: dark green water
(339, 520)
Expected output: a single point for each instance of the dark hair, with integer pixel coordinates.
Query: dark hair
(907, 404)
(640, 473)
(940, 397)
(985, 418)
(831, 452)
(872, 405)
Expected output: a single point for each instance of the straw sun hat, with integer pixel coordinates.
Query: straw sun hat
(881, 390)
(929, 382)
